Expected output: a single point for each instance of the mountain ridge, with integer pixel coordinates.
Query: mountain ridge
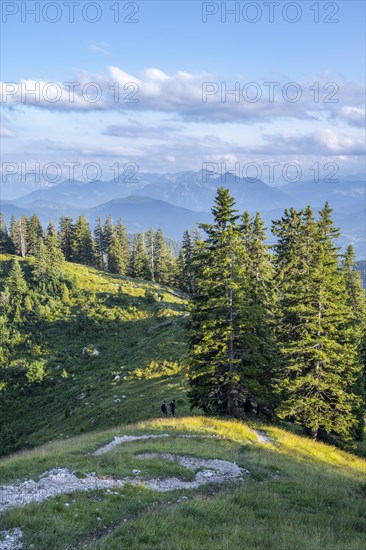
(194, 191)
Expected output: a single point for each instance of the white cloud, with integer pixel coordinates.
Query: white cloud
(138, 130)
(320, 142)
(7, 133)
(191, 97)
(354, 116)
(102, 47)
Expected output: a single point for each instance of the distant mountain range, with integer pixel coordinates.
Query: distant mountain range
(177, 201)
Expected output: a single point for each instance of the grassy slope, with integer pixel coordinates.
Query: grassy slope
(300, 494)
(113, 314)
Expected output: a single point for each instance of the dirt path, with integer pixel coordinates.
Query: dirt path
(61, 480)
(119, 440)
(214, 471)
(52, 483)
(56, 482)
(263, 437)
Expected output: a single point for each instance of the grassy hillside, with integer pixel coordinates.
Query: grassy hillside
(299, 494)
(139, 330)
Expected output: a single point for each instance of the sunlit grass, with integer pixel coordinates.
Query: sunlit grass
(305, 449)
(230, 429)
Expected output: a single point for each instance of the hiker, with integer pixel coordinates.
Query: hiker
(164, 410)
(172, 407)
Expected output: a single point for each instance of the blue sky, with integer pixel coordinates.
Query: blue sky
(168, 54)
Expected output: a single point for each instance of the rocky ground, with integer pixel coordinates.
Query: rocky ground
(61, 480)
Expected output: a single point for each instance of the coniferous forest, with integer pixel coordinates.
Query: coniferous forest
(109, 247)
(276, 331)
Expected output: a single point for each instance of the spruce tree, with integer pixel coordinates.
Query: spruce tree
(6, 246)
(15, 281)
(66, 236)
(16, 288)
(161, 259)
(357, 302)
(139, 259)
(319, 359)
(185, 264)
(150, 247)
(173, 268)
(55, 257)
(115, 264)
(118, 251)
(107, 236)
(355, 290)
(18, 235)
(23, 236)
(35, 232)
(121, 234)
(49, 263)
(216, 350)
(83, 244)
(14, 235)
(99, 244)
(257, 315)
(41, 264)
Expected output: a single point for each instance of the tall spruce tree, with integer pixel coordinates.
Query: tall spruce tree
(66, 236)
(215, 336)
(18, 235)
(107, 237)
(15, 281)
(115, 260)
(83, 244)
(357, 302)
(139, 258)
(16, 288)
(173, 267)
(99, 244)
(150, 248)
(55, 257)
(257, 315)
(319, 365)
(122, 236)
(14, 235)
(35, 232)
(40, 267)
(6, 245)
(161, 258)
(118, 251)
(185, 263)
(23, 236)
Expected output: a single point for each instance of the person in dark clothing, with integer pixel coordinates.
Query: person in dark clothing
(164, 410)
(172, 407)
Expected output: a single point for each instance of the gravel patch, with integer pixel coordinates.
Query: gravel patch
(119, 440)
(51, 484)
(11, 540)
(211, 471)
(59, 481)
(263, 437)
